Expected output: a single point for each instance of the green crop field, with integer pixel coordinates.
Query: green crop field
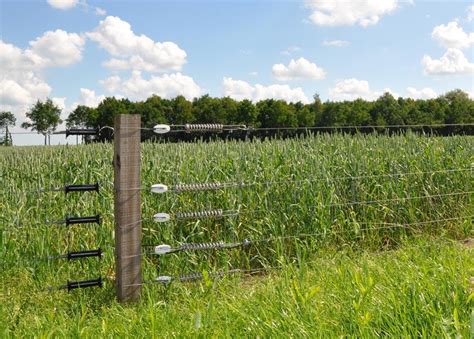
(358, 236)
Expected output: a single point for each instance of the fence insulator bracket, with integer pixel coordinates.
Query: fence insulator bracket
(82, 188)
(83, 220)
(82, 131)
(159, 188)
(71, 285)
(164, 279)
(161, 129)
(163, 249)
(161, 217)
(85, 254)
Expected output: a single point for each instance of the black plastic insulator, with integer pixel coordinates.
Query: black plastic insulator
(83, 220)
(85, 254)
(82, 131)
(71, 285)
(81, 188)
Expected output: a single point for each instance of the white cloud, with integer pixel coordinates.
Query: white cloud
(470, 13)
(68, 4)
(237, 89)
(21, 71)
(254, 73)
(166, 86)
(351, 89)
(111, 84)
(298, 70)
(100, 11)
(240, 90)
(60, 102)
(452, 36)
(14, 59)
(354, 12)
(23, 90)
(89, 98)
(58, 48)
(117, 64)
(63, 4)
(137, 52)
(291, 50)
(453, 62)
(336, 43)
(424, 93)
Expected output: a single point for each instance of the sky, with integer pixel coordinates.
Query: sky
(80, 51)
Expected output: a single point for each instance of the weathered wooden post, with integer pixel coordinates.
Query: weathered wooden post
(127, 208)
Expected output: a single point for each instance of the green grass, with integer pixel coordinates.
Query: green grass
(422, 289)
(353, 278)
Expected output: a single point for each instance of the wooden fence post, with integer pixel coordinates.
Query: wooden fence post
(127, 207)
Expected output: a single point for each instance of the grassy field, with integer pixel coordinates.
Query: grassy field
(359, 274)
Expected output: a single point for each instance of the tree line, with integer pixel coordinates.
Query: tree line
(454, 107)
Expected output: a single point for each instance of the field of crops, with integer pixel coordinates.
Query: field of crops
(365, 231)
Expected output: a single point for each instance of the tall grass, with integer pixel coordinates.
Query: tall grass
(320, 164)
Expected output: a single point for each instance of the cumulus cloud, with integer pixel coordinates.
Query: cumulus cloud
(89, 98)
(240, 90)
(68, 4)
(58, 48)
(300, 69)
(424, 93)
(100, 11)
(470, 13)
(336, 43)
(355, 12)
(351, 89)
(453, 62)
(63, 4)
(138, 88)
(135, 52)
(112, 83)
(291, 50)
(452, 36)
(21, 71)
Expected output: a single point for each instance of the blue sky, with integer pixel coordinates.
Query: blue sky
(78, 51)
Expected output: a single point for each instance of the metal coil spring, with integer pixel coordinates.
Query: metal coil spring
(199, 276)
(198, 187)
(203, 127)
(191, 277)
(202, 246)
(200, 214)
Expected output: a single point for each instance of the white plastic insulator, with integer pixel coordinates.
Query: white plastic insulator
(164, 279)
(162, 249)
(161, 217)
(161, 129)
(159, 188)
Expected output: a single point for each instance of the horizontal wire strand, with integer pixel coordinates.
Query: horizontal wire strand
(243, 185)
(362, 127)
(288, 128)
(247, 242)
(231, 213)
(264, 269)
(363, 202)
